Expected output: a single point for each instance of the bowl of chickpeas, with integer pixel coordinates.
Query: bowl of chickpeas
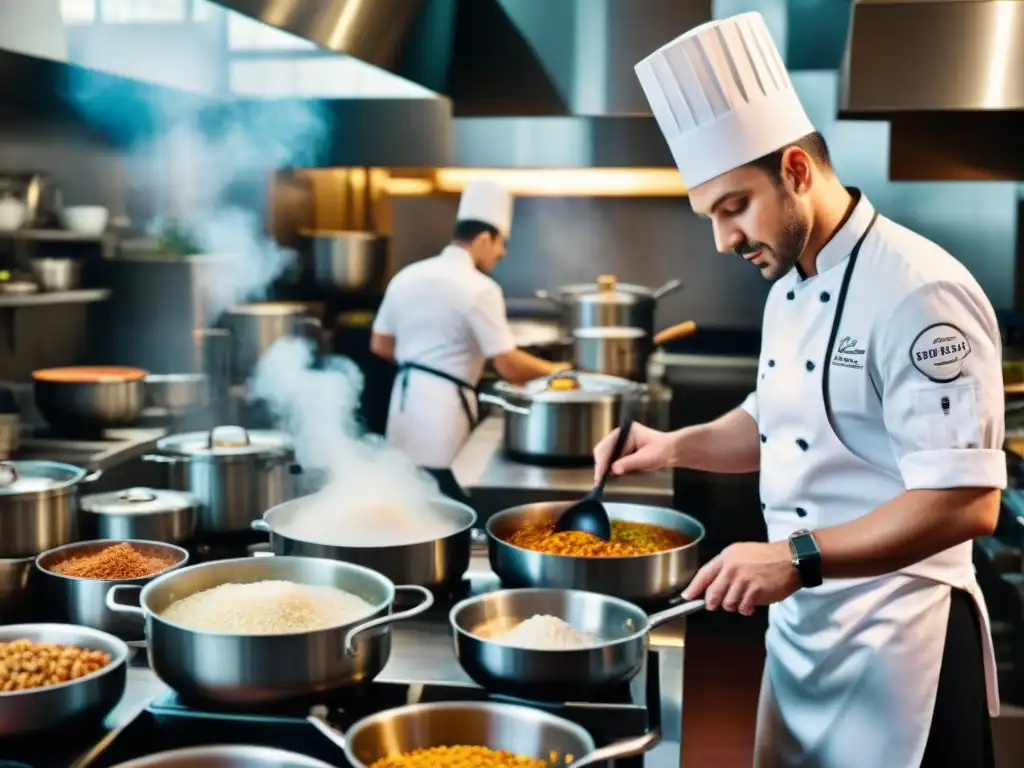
(57, 675)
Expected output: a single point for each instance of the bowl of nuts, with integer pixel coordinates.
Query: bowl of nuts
(57, 675)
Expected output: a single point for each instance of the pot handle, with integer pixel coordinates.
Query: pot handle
(157, 458)
(675, 332)
(675, 612)
(670, 287)
(622, 748)
(116, 607)
(319, 722)
(259, 524)
(92, 477)
(8, 474)
(505, 405)
(428, 600)
(542, 294)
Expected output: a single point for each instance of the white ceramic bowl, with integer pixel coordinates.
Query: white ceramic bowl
(12, 215)
(85, 219)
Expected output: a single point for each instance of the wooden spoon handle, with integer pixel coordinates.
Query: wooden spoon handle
(675, 332)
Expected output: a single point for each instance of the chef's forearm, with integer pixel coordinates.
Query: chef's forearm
(519, 367)
(913, 526)
(729, 445)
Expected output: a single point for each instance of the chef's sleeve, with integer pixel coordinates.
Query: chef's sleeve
(384, 320)
(749, 405)
(489, 321)
(940, 367)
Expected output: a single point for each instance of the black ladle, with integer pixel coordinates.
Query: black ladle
(588, 514)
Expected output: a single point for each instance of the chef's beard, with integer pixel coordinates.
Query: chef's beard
(779, 259)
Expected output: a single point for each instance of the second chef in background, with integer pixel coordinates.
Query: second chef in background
(441, 319)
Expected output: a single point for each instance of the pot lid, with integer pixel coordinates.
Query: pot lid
(34, 476)
(226, 441)
(592, 386)
(607, 289)
(609, 332)
(132, 501)
(272, 308)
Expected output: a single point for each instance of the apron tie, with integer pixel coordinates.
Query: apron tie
(460, 386)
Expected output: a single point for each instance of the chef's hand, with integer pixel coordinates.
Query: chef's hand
(646, 449)
(744, 576)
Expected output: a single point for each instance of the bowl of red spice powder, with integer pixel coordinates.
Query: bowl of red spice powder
(70, 583)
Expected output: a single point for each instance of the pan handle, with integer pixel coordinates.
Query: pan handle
(675, 612)
(542, 294)
(113, 605)
(259, 524)
(428, 600)
(328, 730)
(505, 405)
(670, 287)
(623, 748)
(675, 332)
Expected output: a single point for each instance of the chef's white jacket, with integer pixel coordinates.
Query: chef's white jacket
(446, 314)
(877, 375)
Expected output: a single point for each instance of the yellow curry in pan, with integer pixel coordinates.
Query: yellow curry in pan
(627, 539)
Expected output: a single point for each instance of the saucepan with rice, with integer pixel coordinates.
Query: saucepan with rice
(254, 631)
(652, 555)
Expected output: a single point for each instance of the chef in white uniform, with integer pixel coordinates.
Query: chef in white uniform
(876, 425)
(440, 320)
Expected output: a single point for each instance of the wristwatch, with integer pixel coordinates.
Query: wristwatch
(806, 557)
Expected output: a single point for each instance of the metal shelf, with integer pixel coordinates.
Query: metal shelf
(46, 298)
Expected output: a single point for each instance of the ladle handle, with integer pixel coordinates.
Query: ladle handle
(675, 333)
(620, 443)
(328, 730)
(623, 748)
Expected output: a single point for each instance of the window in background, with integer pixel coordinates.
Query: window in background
(78, 11)
(143, 11)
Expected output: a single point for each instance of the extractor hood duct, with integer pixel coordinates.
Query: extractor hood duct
(949, 76)
(533, 82)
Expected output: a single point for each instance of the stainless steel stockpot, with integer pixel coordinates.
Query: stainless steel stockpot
(252, 670)
(427, 563)
(577, 674)
(151, 514)
(82, 601)
(235, 474)
(644, 579)
(609, 303)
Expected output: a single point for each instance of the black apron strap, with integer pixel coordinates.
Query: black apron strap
(460, 386)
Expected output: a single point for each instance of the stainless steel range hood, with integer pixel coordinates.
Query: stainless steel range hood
(532, 82)
(949, 76)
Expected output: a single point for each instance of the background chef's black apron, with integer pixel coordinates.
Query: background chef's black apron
(445, 478)
(961, 732)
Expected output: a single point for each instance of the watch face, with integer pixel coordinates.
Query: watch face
(805, 546)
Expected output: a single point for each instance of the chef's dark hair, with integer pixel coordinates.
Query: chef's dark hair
(466, 230)
(813, 144)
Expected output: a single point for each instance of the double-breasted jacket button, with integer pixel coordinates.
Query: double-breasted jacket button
(771, 363)
(764, 438)
(762, 506)
(802, 443)
(801, 512)
(810, 365)
(791, 295)
(825, 296)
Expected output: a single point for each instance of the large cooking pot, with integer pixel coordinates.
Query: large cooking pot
(38, 506)
(573, 674)
(225, 756)
(644, 579)
(428, 563)
(255, 327)
(346, 260)
(150, 514)
(520, 730)
(564, 425)
(88, 399)
(609, 303)
(235, 474)
(622, 352)
(251, 670)
(58, 708)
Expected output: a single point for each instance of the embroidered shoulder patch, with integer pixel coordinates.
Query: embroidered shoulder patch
(938, 352)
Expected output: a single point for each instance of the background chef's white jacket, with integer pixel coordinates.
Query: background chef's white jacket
(446, 314)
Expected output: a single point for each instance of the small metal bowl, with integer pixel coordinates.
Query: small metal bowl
(78, 600)
(225, 756)
(85, 700)
(577, 674)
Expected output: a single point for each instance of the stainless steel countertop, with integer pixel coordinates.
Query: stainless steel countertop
(488, 476)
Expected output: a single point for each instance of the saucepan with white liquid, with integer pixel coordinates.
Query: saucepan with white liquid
(554, 644)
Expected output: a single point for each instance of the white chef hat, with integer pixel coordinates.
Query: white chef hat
(722, 97)
(489, 202)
